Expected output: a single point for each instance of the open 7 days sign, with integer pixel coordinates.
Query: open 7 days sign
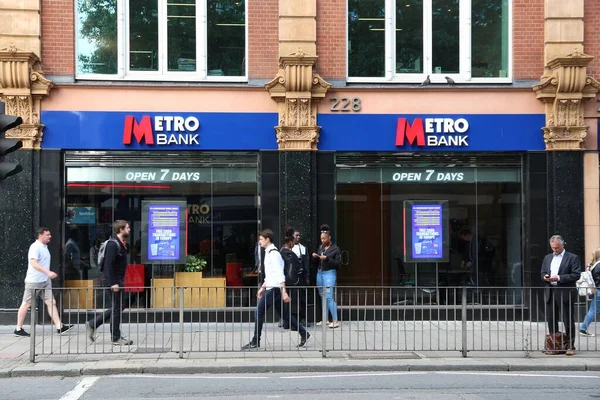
(166, 130)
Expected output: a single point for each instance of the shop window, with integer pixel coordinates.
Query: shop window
(221, 222)
(408, 40)
(185, 40)
(484, 226)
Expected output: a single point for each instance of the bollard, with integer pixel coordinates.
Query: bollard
(32, 338)
(324, 291)
(181, 322)
(464, 322)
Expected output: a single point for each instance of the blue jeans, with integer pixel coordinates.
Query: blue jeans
(591, 315)
(328, 279)
(269, 299)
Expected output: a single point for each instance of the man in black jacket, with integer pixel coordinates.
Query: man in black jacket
(114, 267)
(560, 271)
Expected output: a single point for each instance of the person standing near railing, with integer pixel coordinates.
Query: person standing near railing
(560, 272)
(594, 269)
(113, 268)
(328, 259)
(272, 292)
(39, 279)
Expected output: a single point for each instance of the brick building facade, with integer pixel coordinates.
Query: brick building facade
(321, 92)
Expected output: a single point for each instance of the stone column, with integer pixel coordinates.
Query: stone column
(22, 86)
(564, 88)
(297, 91)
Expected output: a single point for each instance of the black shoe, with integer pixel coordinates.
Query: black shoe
(304, 340)
(64, 329)
(21, 333)
(251, 345)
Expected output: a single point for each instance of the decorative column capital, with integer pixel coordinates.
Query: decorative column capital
(563, 88)
(297, 90)
(22, 87)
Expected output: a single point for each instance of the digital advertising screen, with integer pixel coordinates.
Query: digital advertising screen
(426, 231)
(164, 231)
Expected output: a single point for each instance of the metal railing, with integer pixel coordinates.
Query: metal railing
(376, 319)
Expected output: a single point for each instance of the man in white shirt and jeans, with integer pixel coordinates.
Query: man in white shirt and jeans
(39, 278)
(272, 292)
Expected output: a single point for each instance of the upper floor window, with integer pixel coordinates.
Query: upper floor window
(407, 40)
(174, 40)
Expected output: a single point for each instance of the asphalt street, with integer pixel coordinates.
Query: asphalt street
(372, 385)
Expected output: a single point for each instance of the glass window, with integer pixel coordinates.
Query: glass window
(181, 35)
(366, 38)
(410, 40)
(226, 38)
(485, 226)
(143, 35)
(97, 37)
(409, 37)
(490, 44)
(161, 39)
(445, 36)
(222, 220)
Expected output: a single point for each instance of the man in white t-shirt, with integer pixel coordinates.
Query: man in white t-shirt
(39, 278)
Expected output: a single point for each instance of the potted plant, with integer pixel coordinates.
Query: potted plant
(190, 277)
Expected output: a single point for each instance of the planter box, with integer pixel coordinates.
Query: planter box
(79, 294)
(163, 293)
(200, 292)
(191, 294)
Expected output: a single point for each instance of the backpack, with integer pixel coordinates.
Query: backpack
(292, 266)
(586, 285)
(102, 252)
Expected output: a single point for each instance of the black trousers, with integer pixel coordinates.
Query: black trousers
(560, 304)
(119, 302)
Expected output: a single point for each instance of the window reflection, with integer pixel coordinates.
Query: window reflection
(366, 38)
(226, 40)
(409, 36)
(97, 37)
(143, 35)
(222, 222)
(489, 43)
(181, 32)
(445, 36)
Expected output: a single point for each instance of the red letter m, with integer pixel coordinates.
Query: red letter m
(405, 130)
(143, 130)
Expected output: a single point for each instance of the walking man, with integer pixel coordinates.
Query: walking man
(113, 270)
(560, 271)
(39, 279)
(272, 292)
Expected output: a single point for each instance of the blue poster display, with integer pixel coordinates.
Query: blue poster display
(164, 232)
(426, 231)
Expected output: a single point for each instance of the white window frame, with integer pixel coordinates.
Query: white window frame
(464, 75)
(201, 73)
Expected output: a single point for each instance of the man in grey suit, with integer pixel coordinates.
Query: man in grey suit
(560, 271)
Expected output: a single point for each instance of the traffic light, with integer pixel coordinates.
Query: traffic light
(8, 146)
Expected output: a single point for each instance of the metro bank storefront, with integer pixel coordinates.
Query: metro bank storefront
(220, 167)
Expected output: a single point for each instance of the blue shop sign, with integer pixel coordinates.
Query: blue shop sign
(90, 130)
(469, 132)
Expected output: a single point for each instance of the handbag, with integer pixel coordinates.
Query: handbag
(586, 285)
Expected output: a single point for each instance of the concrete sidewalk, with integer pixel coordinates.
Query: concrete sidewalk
(152, 353)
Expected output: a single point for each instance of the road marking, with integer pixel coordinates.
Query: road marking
(190, 376)
(521, 375)
(83, 386)
(351, 375)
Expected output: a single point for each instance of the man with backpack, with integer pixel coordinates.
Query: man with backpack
(273, 292)
(112, 261)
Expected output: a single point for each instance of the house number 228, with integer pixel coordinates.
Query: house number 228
(346, 104)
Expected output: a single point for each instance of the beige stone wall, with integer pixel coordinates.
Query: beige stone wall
(21, 25)
(563, 28)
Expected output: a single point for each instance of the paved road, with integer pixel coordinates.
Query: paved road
(383, 385)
